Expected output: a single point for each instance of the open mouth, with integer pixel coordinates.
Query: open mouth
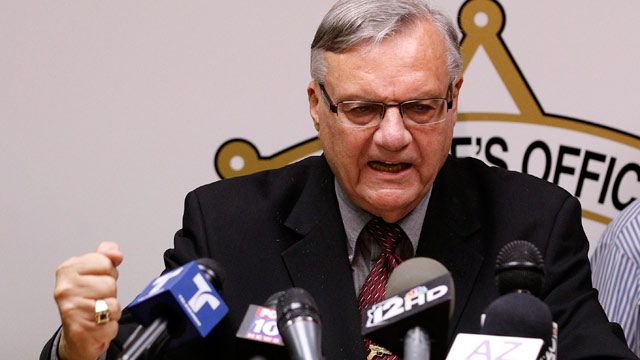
(388, 166)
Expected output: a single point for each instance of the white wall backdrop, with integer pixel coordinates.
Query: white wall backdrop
(111, 111)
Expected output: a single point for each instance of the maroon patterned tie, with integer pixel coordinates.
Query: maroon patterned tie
(373, 290)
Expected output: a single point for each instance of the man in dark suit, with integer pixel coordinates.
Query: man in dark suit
(386, 79)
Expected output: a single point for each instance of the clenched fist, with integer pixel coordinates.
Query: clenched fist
(80, 281)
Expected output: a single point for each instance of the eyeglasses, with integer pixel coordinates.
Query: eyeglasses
(363, 114)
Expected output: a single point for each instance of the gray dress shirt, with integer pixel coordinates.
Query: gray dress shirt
(363, 250)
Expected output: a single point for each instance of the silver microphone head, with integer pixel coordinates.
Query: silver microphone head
(299, 324)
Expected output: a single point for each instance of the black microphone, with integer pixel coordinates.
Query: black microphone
(272, 301)
(521, 315)
(520, 272)
(413, 320)
(517, 314)
(519, 267)
(180, 305)
(299, 324)
(516, 325)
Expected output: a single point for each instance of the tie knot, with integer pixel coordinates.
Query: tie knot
(388, 234)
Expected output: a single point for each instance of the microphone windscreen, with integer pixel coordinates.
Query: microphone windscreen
(299, 324)
(414, 272)
(521, 315)
(519, 266)
(296, 302)
(272, 301)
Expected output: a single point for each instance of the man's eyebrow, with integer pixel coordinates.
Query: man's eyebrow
(354, 96)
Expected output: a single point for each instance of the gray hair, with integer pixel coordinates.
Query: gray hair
(350, 22)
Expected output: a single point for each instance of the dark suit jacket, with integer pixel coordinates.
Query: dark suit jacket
(277, 229)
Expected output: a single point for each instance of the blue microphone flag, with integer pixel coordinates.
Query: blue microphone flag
(184, 292)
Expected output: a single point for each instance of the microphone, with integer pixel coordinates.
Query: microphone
(299, 324)
(180, 305)
(272, 301)
(520, 315)
(413, 320)
(520, 268)
(259, 326)
(259, 323)
(519, 311)
(518, 324)
(515, 316)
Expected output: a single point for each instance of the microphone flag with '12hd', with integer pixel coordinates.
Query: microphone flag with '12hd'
(413, 320)
(179, 306)
(299, 324)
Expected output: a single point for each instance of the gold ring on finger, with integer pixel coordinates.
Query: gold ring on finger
(102, 313)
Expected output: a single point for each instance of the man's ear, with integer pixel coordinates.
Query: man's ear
(314, 103)
(457, 84)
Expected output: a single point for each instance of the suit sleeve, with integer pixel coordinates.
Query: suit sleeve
(49, 352)
(190, 242)
(584, 331)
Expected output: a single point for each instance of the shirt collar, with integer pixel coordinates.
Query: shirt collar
(354, 219)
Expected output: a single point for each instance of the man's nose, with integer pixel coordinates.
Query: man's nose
(392, 134)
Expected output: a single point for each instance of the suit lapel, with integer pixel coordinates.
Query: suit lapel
(318, 263)
(450, 234)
